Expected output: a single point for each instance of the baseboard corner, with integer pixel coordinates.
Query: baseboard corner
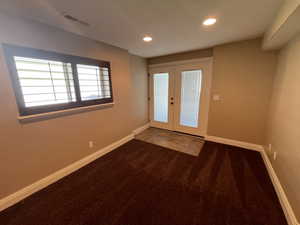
(141, 129)
(287, 209)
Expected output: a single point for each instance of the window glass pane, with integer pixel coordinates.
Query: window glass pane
(30, 98)
(45, 82)
(190, 97)
(161, 96)
(93, 82)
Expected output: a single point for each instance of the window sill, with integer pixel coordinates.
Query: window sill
(55, 114)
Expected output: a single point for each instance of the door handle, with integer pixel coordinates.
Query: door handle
(172, 103)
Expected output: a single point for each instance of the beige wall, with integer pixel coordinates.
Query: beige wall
(284, 122)
(139, 91)
(181, 56)
(242, 76)
(34, 150)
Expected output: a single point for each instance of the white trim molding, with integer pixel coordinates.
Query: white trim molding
(287, 209)
(52, 178)
(240, 144)
(141, 129)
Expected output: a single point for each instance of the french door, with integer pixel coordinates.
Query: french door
(179, 96)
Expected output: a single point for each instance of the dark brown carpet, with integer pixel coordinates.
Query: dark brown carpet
(144, 184)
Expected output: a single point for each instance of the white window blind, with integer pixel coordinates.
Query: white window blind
(45, 82)
(93, 82)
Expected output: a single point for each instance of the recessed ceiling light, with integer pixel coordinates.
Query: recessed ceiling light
(209, 21)
(147, 38)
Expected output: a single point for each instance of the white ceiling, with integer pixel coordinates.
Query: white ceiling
(175, 25)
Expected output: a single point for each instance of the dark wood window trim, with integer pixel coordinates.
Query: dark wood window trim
(11, 51)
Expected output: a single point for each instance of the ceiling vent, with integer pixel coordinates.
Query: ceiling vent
(73, 19)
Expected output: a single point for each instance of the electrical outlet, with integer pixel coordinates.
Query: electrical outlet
(274, 155)
(91, 144)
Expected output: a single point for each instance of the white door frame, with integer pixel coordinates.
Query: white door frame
(206, 92)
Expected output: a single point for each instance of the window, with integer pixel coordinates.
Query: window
(93, 82)
(47, 81)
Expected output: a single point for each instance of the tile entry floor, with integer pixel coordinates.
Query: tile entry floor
(185, 143)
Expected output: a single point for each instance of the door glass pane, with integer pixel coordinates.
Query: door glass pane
(161, 96)
(190, 97)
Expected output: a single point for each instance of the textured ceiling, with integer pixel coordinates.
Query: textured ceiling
(175, 25)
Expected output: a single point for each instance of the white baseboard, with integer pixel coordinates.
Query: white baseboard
(287, 209)
(29, 190)
(141, 129)
(240, 144)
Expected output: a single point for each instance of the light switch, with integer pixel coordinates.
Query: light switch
(216, 97)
